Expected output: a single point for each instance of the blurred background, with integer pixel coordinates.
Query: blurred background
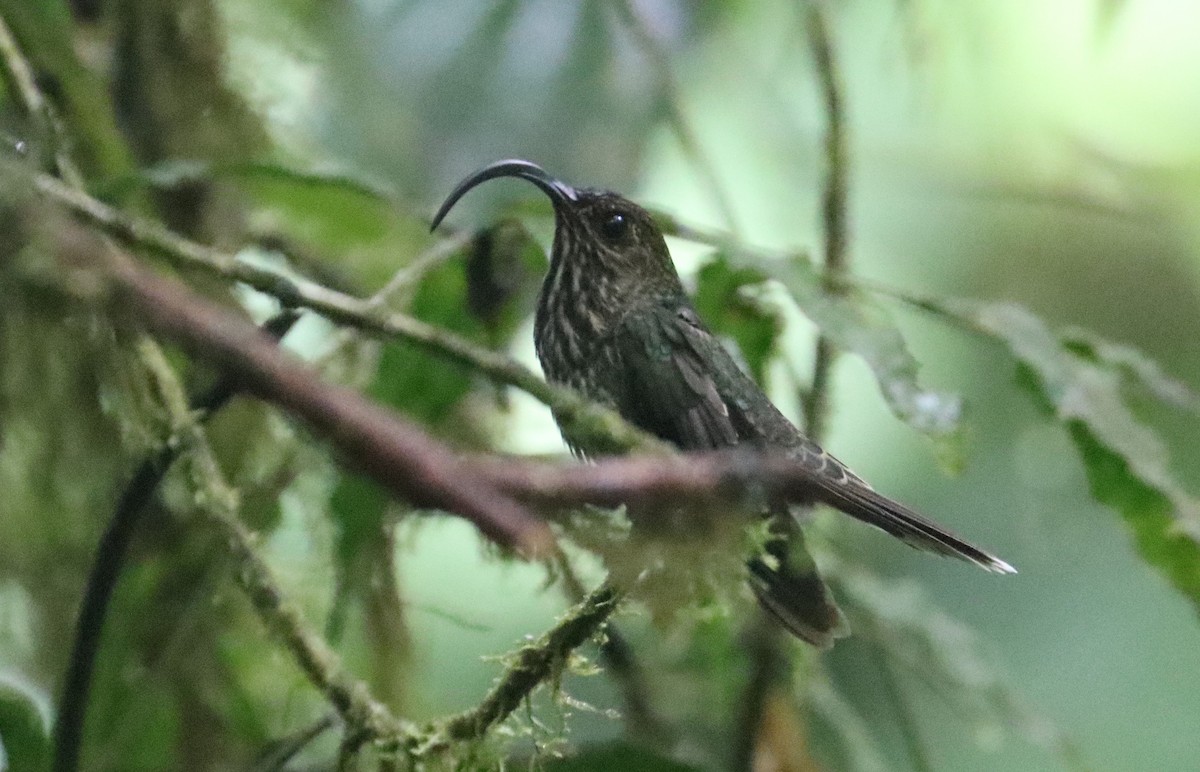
(1005, 150)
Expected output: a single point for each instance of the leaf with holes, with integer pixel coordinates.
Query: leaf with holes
(1126, 462)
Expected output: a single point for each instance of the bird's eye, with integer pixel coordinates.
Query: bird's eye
(614, 226)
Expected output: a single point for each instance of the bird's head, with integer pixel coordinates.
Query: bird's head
(608, 254)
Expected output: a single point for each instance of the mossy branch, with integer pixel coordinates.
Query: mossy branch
(586, 423)
(529, 666)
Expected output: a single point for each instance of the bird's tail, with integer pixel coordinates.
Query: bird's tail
(790, 588)
(860, 501)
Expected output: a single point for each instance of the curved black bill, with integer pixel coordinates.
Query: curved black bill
(512, 167)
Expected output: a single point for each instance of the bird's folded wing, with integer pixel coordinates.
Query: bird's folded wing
(685, 386)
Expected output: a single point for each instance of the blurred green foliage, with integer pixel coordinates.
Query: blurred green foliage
(1039, 154)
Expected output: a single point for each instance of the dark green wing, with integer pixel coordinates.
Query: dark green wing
(668, 386)
(671, 389)
(691, 393)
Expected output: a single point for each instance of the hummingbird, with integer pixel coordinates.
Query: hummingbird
(614, 322)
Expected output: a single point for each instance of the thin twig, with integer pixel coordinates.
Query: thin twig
(22, 84)
(282, 751)
(409, 275)
(677, 119)
(833, 206)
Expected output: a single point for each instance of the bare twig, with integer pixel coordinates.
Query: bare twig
(408, 276)
(22, 84)
(833, 206)
(676, 117)
(282, 751)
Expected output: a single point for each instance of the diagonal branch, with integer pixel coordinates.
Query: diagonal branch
(22, 85)
(106, 569)
(531, 665)
(377, 442)
(407, 461)
(588, 424)
(217, 507)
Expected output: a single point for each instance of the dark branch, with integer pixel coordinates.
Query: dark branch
(697, 482)
(418, 468)
(279, 753)
(395, 453)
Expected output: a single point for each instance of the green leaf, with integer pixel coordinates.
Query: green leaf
(1134, 366)
(1126, 462)
(864, 329)
(725, 298)
(617, 755)
(23, 732)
